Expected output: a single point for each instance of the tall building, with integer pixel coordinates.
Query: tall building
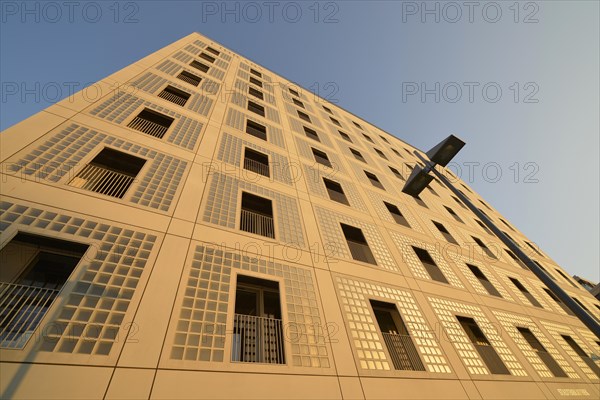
(196, 226)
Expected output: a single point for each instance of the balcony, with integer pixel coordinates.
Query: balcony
(152, 123)
(259, 224)
(21, 310)
(403, 352)
(102, 180)
(257, 340)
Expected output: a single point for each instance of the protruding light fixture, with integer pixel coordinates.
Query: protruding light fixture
(417, 181)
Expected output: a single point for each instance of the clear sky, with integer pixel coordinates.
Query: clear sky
(518, 81)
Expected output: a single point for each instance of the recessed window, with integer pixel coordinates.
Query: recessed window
(582, 354)
(384, 139)
(396, 152)
(214, 51)
(356, 124)
(151, 122)
(321, 157)
(258, 335)
(397, 339)
(110, 173)
(34, 270)
(303, 116)
(558, 301)
(255, 81)
(542, 353)
(506, 223)
(257, 215)
(357, 155)
(256, 162)
(335, 121)
(359, 248)
(174, 95)
(429, 264)
(485, 228)
(396, 214)
(516, 259)
(256, 108)
(374, 180)
(256, 129)
(311, 133)
(255, 72)
(396, 172)
(208, 58)
(544, 269)
(534, 247)
(335, 191)
(190, 78)
(381, 154)
(328, 110)
(419, 201)
(583, 306)
(565, 278)
(432, 191)
(256, 93)
(198, 65)
(454, 214)
(525, 292)
(345, 136)
(444, 232)
(294, 92)
(485, 282)
(368, 138)
(460, 202)
(298, 102)
(483, 247)
(483, 346)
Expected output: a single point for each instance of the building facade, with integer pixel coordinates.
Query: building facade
(196, 226)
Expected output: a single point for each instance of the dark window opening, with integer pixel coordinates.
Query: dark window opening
(581, 353)
(214, 51)
(255, 72)
(485, 228)
(534, 247)
(430, 266)
(255, 81)
(485, 282)
(151, 122)
(516, 259)
(256, 93)
(311, 133)
(256, 108)
(189, 78)
(374, 180)
(356, 124)
(295, 93)
(381, 154)
(174, 95)
(335, 191)
(328, 110)
(298, 103)
(257, 215)
(345, 136)
(359, 248)
(483, 247)
(258, 335)
(368, 138)
(335, 121)
(460, 202)
(454, 214)
(256, 162)
(303, 116)
(419, 201)
(397, 339)
(396, 214)
(396, 152)
(445, 232)
(526, 293)
(565, 278)
(207, 57)
(483, 346)
(396, 172)
(200, 66)
(558, 301)
(256, 129)
(542, 353)
(384, 139)
(321, 157)
(357, 155)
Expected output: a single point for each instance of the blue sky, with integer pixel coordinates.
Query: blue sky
(517, 81)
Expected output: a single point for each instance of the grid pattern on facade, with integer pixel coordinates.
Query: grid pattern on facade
(447, 310)
(462, 261)
(200, 330)
(505, 275)
(334, 241)
(304, 149)
(359, 171)
(60, 154)
(182, 57)
(383, 213)
(314, 179)
(222, 207)
(230, 151)
(405, 243)
(556, 330)
(243, 87)
(298, 128)
(426, 218)
(152, 84)
(552, 304)
(90, 317)
(291, 110)
(237, 120)
(241, 100)
(355, 296)
(207, 85)
(510, 322)
(118, 108)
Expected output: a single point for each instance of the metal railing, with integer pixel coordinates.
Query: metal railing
(102, 180)
(257, 340)
(188, 79)
(148, 127)
(256, 166)
(21, 310)
(403, 352)
(173, 98)
(257, 223)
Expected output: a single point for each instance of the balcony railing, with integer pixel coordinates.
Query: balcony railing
(149, 127)
(257, 223)
(257, 340)
(21, 310)
(403, 352)
(173, 98)
(256, 166)
(102, 180)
